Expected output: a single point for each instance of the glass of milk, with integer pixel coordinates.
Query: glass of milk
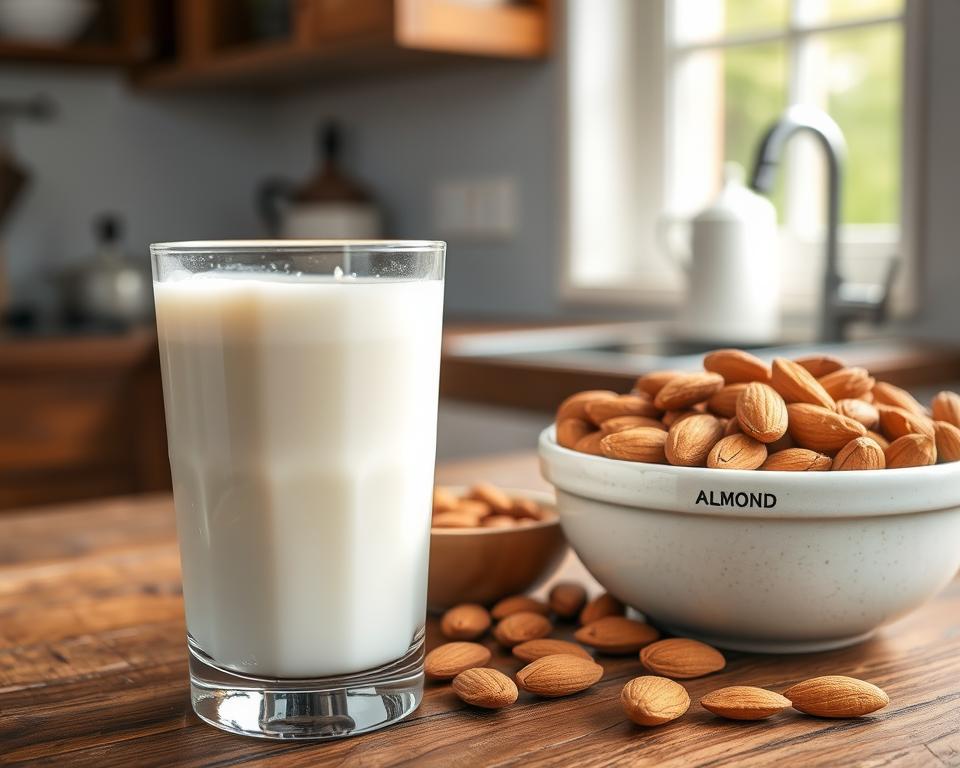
(300, 380)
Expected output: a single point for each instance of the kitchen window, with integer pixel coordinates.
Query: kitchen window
(661, 94)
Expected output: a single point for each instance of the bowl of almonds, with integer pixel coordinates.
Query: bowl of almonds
(790, 506)
(488, 542)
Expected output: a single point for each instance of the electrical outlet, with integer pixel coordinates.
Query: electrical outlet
(476, 209)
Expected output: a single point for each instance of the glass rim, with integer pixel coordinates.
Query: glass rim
(275, 246)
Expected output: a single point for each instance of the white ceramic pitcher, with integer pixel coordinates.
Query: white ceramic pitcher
(732, 265)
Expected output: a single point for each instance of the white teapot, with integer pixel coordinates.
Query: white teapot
(732, 266)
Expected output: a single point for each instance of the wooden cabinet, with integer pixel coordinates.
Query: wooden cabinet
(216, 45)
(80, 418)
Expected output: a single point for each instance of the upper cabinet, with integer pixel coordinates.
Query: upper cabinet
(269, 42)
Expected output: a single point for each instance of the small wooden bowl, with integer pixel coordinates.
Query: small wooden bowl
(482, 565)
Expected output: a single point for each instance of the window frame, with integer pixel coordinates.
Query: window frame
(859, 244)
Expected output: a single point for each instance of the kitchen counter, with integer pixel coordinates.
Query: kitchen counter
(93, 671)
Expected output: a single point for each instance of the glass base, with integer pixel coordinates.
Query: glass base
(321, 708)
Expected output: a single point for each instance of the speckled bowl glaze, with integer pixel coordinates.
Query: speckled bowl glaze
(778, 562)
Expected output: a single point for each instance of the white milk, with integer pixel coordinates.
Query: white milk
(301, 419)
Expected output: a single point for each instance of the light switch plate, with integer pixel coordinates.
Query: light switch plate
(481, 209)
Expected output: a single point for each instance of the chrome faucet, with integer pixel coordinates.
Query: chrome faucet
(842, 301)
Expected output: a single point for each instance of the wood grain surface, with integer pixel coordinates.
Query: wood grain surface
(93, 672)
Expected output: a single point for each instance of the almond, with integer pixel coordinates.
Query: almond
(859, 410)
(497, 500)
(744, 702)
(567, 599)
(570, 431)
(485, 687)
(620, 423)
(443, 500)
(653, 382)
(946, 407)
(601, 606)
(450, 659)
(616, 635)
(673, 417)
(732, 428)
(781, 445)
(639, 444)
(526, 508)
(847, 383)
(688, 389)
(821, 429)
(518, 604)
(547, 646)
(736, 366)
(475, 507)
(599, 411)
(737, 452)
(860, 453)
(498, 521)
(762, 413)
(574, 407)
(651, 700)
(455, 519)
(948, 441)
(836, 696)
(681, 657)
(519, 627)
(559, 675)
(820, 365)
(467, 621)
(797, 385)
(797, 460)
(878, 439)
(590, 444)
(888, 394)
(689, 441)
(724, 402)
(896, 422)
(911, 451)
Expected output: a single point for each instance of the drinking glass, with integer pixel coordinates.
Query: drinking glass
(300, 381)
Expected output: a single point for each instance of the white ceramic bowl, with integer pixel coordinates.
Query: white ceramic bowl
(760, 561)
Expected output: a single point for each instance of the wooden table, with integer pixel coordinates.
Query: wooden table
(93, 671)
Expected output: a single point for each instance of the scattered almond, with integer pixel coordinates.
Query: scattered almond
(547, 646)
(847, 383)
(690, 440)
(570, 431)
(836, 696)
(736, 366)
(744, 702)
(575, 406)
(616, 635)
(485, 687)
(518, 604)
(896, 422)
(590, 444)
(860, 453)
(599, 411)
(797, 385)
(948, 441)
(651, 700)
(653, 382)
(762, 412)
(797, 460)
(567, 599)
(820, 365)
(620, 423)
(911, 451)
(688, 389)
(467, 621)
(737, 452)
(450, 659)
(821, 429)
(639, 444)
(519, 627)
(859, 410)
(724, 401)
(601, 606)
(559, 675)
(681, 657)
(946, 407)
(888, 394)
